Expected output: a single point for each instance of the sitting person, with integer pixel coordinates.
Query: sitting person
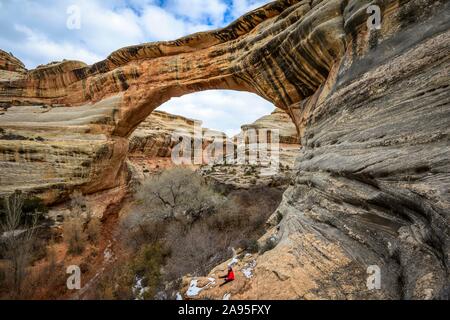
(229, 277)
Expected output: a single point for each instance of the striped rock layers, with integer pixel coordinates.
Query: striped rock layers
(371, 108)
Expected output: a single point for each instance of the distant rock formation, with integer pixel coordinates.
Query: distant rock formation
(267, 159)
(157, 135)
(287, 136)
(372, 109)
(152, 144)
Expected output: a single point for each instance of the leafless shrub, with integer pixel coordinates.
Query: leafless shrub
(195, 251)
(137, 230)
(17, 244)
(93, 230)
(74, 236)
(80, 226)
(78, 205)
(116, 282)
(120, 280)
(176, 194)
(48, 280)
(181, 214)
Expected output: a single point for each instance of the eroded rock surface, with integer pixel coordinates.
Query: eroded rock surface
(372, 108)
(154, 143)
(254, 162)
(111, 98)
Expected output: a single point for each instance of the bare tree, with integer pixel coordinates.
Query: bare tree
(195, 251)
(79, 206)
(74, 235)
(17, 242)
(79, 226)
(177, 193)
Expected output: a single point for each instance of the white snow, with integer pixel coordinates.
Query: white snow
(13, 234)
(138, 289)
(194, 290)
(227, 296)
(234, 261)
(247, 273)
(248, 270)
(107, 255)
(179, 297)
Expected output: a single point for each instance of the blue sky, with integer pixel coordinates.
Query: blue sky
(36, 32)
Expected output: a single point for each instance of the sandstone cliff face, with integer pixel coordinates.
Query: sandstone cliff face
(109, 99)
(257, 164)
(161, 132)
(155, 137)
(372, 109)
(152, 144)
(287, 135)
(372, 184)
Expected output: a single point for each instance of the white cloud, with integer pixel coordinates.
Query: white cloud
(106, 25)
(240, 7)
(161, 25)
(105, 29)
(47, 50)
(37, 33)
(222, 110)
(199, 10)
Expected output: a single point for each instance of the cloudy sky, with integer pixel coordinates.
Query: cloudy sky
(41, 31)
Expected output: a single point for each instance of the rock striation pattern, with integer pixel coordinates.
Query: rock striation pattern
(155, 140)
(372, 109)
(287, 135)
(155, 136)
(251, 163)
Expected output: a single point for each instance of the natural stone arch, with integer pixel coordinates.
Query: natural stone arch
(282, 52)
(270, 52)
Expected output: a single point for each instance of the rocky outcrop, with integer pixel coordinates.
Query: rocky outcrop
(161, 132)
(153, 143)
(372, 177)
(371, 108)
(287, 137)
(277, 120)
(111, 98)
(10, 65)
(252, 162)
(155, 137)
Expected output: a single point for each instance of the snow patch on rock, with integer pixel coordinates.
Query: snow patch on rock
(248, 270)
(138, 289)
(194, 290)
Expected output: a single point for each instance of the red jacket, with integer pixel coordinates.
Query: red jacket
(230, 276)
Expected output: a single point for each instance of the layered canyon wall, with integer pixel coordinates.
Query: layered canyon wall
(372, 108)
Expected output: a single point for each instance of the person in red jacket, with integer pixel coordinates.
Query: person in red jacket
(229, 277)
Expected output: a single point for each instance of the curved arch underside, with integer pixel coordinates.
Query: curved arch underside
(372, 109)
